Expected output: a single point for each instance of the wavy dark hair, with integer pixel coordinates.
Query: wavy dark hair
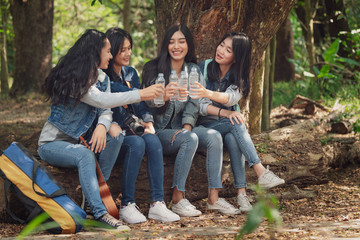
(116, 37)
(240, 69)
(161, 64)
(75, 72)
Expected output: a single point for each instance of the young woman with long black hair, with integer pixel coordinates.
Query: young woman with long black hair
(227, 80)
(175, 122)
(80, 100)
(125, 78)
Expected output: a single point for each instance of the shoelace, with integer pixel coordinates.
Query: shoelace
(111, 221)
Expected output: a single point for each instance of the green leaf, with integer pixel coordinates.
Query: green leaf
(350, 61)
(331, 52)
(324, 70)
(255, 217)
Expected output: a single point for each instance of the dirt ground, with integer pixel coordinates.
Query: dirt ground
(333, 214)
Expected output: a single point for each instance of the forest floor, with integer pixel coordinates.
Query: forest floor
(333, 214)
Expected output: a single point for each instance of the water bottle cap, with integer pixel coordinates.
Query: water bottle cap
(173, 71)
(193, 69)
(161, 75)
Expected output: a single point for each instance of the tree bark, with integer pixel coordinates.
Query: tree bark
(32, 21)
(272, 70)
(4, 63)
(265, 120)
(210, 20)
(126, 15)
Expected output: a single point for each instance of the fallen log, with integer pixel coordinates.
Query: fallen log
(342, 127)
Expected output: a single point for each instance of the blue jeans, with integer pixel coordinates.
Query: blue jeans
(211, 141)
(132, 152)
(239, 144)
(69, 155)
(184, 143)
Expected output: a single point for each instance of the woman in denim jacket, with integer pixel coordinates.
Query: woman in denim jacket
(80, 94)
(175, 122)
(227, 80)
(123, 79)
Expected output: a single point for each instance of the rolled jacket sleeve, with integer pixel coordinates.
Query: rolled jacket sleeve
(234, 95)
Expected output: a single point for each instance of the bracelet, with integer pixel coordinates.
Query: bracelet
(219, 112)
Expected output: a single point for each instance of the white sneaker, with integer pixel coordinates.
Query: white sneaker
(185, 209)
(131, 214)
(159, 211)
(223, 206)
(269, 180)
(243, 202)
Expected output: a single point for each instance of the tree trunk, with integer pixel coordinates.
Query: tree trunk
(284, 69)
(4, 83)
(126, 15)
(32, 21)
(210, 20)
(272, 70)
(265, 120)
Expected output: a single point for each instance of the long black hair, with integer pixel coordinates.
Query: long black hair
(161, 64)
(240, 69)
(117, 37)
(77, 70)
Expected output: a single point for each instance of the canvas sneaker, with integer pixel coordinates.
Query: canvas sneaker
(159, 211)
(185, 209)
(243, 202)
(130, 213)
(269, 180)
(223, 206)
(112, 223)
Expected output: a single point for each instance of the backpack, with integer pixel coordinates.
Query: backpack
(38, 190)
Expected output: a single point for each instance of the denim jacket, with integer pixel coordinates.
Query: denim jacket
(75, 120)
(177, 113)
(141, 110)
(224, 86)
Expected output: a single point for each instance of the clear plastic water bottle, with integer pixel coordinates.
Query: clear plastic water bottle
(160, 80)
(183, 84)
(174, 78)
(193, 77)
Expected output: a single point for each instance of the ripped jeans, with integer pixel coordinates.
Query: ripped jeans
(185, 144)
(69, 155)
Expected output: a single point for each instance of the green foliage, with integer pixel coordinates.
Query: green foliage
(266, 207)
(336, 71)
(94, 1)
(352, 11)
(37, 225)
(326, 140)
(261, 147)
(72, 18)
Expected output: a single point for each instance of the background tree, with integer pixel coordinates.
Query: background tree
(210, 20)
(284, 69)
(32, 21)
(4, 83)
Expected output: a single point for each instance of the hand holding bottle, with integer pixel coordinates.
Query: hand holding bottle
(199, 91)
(151, 92)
